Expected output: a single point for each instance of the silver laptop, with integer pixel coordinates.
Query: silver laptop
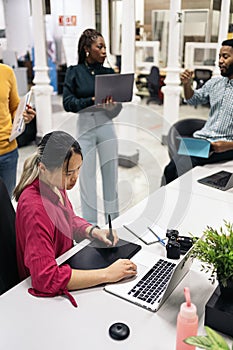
(156, 279)
(118, 86)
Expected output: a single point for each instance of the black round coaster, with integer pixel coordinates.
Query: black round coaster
(119, 331)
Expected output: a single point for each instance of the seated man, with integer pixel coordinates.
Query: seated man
(218, 129)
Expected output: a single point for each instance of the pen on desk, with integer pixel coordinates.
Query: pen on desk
(160, 240)
(110, 228)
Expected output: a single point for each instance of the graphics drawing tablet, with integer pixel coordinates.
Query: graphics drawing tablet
(97, 255)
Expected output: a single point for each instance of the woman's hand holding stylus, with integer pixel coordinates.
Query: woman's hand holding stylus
(103, 235)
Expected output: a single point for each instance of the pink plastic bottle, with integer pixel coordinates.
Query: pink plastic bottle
(187, 323)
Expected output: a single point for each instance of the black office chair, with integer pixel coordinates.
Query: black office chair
(153, 82)
(201, 76)
(8, 263)
(184, 127)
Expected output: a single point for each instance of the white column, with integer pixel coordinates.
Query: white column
(128, 37)
(172, 89)
(127, 135)
(105, 31)
(223, 30)
(42, 90)
(105, 22)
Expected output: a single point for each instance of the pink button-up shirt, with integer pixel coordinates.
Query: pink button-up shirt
(44, 230)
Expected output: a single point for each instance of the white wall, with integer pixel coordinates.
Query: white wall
(17, 25)
(2, 18)
(85, 12)
(19, 28)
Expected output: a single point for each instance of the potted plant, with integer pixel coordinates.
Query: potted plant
(210, 341)
(215, 249)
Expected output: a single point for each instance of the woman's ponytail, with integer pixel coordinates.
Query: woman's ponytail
(29, 174)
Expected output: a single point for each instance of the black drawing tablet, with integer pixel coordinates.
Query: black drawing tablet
(96, 255)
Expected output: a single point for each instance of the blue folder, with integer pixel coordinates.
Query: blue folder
(192, 146)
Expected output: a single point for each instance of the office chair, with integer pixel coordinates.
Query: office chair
(184, 127)
(8, 262)
(201, 76)
(153, 82)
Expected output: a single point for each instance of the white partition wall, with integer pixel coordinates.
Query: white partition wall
(146, 55)
(207, 54)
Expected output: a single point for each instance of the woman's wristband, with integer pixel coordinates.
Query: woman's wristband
(91, 231)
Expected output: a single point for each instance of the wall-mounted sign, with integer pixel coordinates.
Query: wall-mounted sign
(67, 20)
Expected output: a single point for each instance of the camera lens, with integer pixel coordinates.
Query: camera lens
(185, 243)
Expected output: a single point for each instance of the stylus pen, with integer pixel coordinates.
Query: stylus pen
(160, 240)
(110, 228)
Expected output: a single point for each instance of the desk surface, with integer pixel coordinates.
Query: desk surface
(188, 182)
(27, 322)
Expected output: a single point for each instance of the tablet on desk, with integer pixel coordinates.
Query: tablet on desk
(118, 86)
(193, 146)
(222, 180)
(97, 255)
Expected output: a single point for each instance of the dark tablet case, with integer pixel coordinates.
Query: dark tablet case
(97, 256)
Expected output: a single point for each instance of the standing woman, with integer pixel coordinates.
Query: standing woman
(9, 100)
(96, 130)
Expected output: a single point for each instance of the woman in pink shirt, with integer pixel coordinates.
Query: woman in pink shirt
(46, 223)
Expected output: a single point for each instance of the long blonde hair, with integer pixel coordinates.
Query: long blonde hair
(29, 174)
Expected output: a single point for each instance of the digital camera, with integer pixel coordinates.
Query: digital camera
(173, 248)
(171, 232)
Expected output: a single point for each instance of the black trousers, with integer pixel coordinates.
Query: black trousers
(181, 164)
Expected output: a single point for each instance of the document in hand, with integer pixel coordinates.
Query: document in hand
(118, 86)
(18, 123)
(192, 146)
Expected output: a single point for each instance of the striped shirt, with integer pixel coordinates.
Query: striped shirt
(217, 91)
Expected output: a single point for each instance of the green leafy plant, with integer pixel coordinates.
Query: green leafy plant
(215, 249)
(211, 341)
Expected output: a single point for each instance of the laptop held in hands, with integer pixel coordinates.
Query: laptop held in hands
(118, 86)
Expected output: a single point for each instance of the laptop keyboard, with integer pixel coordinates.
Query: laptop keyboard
(152, 285)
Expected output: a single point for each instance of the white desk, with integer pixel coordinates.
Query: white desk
(188, 182)
(27, 322)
